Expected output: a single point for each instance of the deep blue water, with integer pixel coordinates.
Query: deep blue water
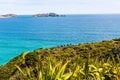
(26, 33)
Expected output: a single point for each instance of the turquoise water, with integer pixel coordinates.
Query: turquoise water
(26, 33)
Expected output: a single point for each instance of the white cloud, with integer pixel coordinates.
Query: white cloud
(60, 6)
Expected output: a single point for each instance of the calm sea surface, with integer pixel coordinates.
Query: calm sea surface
(26, 33)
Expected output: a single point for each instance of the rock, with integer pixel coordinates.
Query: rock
(7, 15)
(47, 15)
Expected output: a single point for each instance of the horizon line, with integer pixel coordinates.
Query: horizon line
(69, 13)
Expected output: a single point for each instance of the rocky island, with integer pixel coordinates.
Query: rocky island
(47, 15)
(7, 15)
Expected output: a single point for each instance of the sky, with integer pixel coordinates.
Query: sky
(60, 6)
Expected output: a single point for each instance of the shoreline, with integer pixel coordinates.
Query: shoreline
(94, 50)
(71, 44)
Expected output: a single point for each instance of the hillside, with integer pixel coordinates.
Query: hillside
(30, 62)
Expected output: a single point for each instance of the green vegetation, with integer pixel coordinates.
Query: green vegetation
(87, 61)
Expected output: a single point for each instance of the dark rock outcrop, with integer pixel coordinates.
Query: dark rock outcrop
(7, 15)
(47, 15)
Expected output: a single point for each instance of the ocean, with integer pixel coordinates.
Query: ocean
(26, 33)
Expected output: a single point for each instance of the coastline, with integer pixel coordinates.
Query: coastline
(61, 46)
(103, 49)
(18, 32)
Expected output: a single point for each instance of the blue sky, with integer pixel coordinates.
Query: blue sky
(60, 6)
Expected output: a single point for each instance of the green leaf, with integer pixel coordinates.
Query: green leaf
(61, 71)
(20, 69)
(67, 75)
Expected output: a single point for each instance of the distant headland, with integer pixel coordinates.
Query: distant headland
(47, 15)
(7, 15)
(35, 15)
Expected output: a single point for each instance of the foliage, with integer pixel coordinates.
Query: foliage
(87, 70)
(87, 61)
